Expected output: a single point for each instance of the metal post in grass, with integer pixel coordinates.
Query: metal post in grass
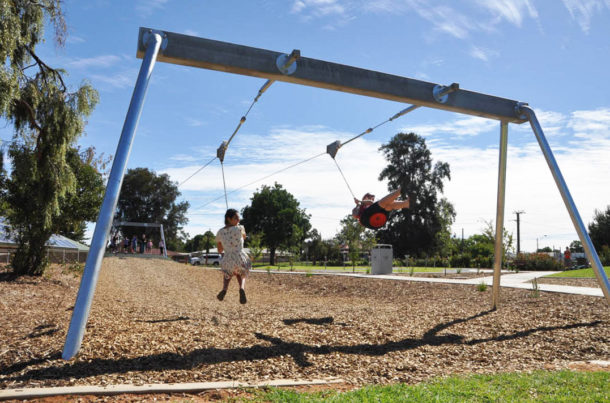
(590, 252)
(498, 247)
(82, 305)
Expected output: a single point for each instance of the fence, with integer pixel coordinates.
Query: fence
(55, 255)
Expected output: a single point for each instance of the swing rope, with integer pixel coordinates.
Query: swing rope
(348, 186)
(224, 184)
(264, 177)
(333, 148)
(197, 171)
(225, 144)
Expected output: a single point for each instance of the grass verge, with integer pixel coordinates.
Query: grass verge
(560, 386)
(581, 273)
(346, 269)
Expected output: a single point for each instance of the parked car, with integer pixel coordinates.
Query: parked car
(213, 259)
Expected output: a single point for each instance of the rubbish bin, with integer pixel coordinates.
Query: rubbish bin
(381, 259)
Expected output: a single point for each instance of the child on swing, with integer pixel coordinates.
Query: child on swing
(373, 214)
(235, 261)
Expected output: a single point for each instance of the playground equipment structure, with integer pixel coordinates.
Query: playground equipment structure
(192, 51)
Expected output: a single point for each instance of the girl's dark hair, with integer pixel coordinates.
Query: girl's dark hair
(230, 214)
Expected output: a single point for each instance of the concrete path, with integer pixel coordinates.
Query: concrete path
(508, 279)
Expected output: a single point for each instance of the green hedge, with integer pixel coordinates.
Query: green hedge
(536, 262)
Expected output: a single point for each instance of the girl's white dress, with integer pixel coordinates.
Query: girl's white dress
(235, 259)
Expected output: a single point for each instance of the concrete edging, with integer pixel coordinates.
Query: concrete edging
(194, 387)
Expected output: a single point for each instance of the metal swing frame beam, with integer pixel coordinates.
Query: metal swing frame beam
(145, 225)
(204, 53)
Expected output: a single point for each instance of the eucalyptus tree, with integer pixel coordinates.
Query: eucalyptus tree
(416, 230)
(47, 117)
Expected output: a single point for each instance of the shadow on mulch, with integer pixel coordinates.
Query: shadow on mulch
(279, 347)
(179, 318)
(41, 331)
(310, 321)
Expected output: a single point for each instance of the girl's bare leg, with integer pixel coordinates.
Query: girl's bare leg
(242, 292)
(225, 286)
(389, 202)
(241, 281)
(397, 205)
(225, 283)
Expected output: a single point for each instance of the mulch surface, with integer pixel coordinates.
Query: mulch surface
(157, 321)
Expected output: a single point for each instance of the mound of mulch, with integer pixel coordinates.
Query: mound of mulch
(155, 321)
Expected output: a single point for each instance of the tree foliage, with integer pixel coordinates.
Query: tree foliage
(47, 119)
(357, 238)
(314, 246)
(200, 242)
(150, 198)
(599, 229)
(576, 247)
(255, 245)
(275, 213)
(415, 231)
(83, 205)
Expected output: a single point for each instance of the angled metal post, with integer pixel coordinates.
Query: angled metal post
(82, 305)
(163, 239)
(498, 252)
(568, 201)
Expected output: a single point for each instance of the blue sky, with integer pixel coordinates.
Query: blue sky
(551, 54)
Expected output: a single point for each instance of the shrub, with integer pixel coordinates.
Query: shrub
(604, 255)
(482, 286)
(535, 289)
(536, 262)
(461, 260)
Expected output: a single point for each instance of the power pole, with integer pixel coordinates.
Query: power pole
(518, 213)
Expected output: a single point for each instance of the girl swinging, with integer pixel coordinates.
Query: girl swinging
(374, 215)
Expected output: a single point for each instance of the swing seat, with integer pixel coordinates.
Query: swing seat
(378, 220)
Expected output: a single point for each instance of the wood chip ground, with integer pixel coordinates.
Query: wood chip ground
(157, 321)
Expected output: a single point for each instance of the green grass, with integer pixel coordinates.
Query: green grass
(539, 386)
(581, 273)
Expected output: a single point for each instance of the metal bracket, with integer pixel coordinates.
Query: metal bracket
(220, 153)
(518, 111)
(441, 92)
(333, 148)
(286, 64)
(150, 32)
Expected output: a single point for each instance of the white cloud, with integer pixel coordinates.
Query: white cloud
(461, 127)
(298, 6)
(583, 10)
(194, 122)
(101, 61)
(510, 10)
(318, 8)
(591, 124)
(74, 39)
(319, 187)
(335, 11)
(446, 20)
(146, 7)
(117, 80)
(482, 53)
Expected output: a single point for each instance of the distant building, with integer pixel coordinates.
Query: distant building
(61, 249)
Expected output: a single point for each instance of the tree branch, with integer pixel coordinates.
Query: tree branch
(43, 66)
(31, 114)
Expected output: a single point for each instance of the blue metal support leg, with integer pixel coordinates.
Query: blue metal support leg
(82, 306)
(569, 202)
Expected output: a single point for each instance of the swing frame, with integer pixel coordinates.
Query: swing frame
(193, 51)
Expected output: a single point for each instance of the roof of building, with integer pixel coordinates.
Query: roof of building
(56, 241)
